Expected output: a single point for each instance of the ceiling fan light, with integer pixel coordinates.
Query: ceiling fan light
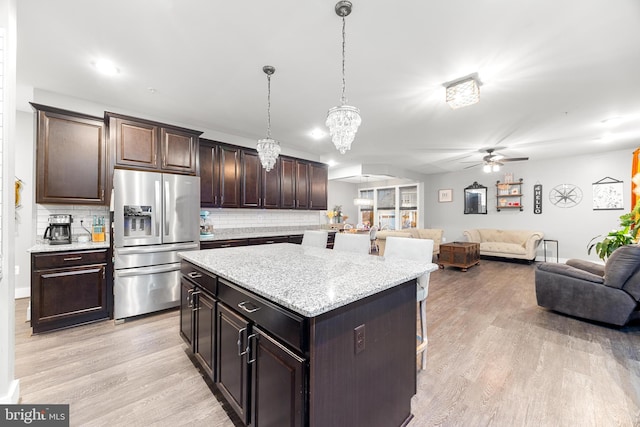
(486, 168)
(463, 93)
(495, 168)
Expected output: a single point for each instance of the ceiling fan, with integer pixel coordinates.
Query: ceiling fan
(493, 160)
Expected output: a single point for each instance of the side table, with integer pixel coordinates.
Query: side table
(459, 254)
(544, 245)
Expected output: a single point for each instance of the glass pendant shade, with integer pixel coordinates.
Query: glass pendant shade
(268, 148)
(268, 151)
(463, 93)
(343, 123)
(361, 201)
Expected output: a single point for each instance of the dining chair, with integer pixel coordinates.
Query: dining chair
(417, 250)
(315, 238)
(351, 242)
(372, 238)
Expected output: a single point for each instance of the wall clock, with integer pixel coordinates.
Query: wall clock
(565, 195)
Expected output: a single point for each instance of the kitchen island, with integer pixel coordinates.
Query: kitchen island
(302, 336)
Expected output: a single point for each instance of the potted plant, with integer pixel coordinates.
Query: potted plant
(626, 235)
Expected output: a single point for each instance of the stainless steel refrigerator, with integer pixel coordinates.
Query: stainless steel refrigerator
(155, 216)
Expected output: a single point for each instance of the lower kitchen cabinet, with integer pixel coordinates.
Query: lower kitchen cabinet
(278, 383)
(69, 288)
(232, 363)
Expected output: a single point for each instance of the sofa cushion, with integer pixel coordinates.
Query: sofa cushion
(622, 263)
(503, 248)
(507, 236)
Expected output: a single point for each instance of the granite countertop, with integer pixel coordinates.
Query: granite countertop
(74, 246)
(253, 233)
(308, 281)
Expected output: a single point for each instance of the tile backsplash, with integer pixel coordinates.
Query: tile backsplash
(84, 213)
(223, 219)
(264, 218)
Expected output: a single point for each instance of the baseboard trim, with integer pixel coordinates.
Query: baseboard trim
(22, 293)
(12, 395)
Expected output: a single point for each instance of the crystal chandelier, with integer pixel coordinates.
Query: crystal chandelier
(268, 149)
(343, 121)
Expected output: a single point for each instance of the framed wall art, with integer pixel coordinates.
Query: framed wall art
(445, 195)
(607, 194)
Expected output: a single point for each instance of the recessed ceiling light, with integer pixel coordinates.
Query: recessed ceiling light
(106, 67)
(317, 133)
(332, 163)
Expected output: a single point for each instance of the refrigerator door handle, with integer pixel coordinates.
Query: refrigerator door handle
(158, 212)
(141, 271)
(167, 207)
(155, 249)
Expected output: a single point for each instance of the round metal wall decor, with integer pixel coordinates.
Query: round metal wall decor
(565, 195)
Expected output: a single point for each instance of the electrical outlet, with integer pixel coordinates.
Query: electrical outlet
(358, 336)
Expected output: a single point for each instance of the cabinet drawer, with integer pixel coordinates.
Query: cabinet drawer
(198, 276)
(223, 243)
(283, 324)
(68, 259)
(268, 240)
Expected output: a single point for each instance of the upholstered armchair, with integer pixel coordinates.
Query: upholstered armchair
(605, 293)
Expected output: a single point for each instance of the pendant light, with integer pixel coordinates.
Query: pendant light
(268, 148)
(343, 121)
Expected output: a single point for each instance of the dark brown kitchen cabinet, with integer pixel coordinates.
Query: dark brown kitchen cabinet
(220, 173)
(143, 144)
(69, 288)
(287, 183)
(278, 383)
(198, 315)
(232, 367)
(259, 188)
(318, 177)
(71, 157)
(302, 184)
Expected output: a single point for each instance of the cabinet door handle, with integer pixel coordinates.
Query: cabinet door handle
(269, 242)
(190, 298)
(194, 275)
(227, 245)
(251, 349)
(73, 258)
(248, 306)
(193, 301)
(240, 352)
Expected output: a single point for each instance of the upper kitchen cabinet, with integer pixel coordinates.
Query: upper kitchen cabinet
(259, 188)
(71, 157)
(220, 174)
(318, 177)
(143, 144)
(303, 184)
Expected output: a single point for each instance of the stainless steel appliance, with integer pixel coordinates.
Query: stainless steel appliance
(59, 230)
(156, 216)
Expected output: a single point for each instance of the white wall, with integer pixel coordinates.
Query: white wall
(572, 227)
(24, 167)
(342, 194)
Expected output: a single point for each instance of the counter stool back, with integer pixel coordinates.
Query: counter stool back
(416, 250)
(350, 242)
(315, 238)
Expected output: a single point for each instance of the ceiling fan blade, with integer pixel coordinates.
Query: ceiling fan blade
(514, 159)
(472, 166)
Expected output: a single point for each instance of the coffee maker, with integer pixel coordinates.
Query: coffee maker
(59, 230)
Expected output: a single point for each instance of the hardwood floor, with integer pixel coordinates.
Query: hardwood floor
(494, 358)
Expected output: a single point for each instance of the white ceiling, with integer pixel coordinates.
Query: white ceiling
(551, 71)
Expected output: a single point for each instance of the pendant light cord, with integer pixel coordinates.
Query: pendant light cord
(344, 81)
(269, 106)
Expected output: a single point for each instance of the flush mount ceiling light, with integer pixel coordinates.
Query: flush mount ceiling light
(106, 67)
(268, 149)
(343, 121)
(463, 92)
